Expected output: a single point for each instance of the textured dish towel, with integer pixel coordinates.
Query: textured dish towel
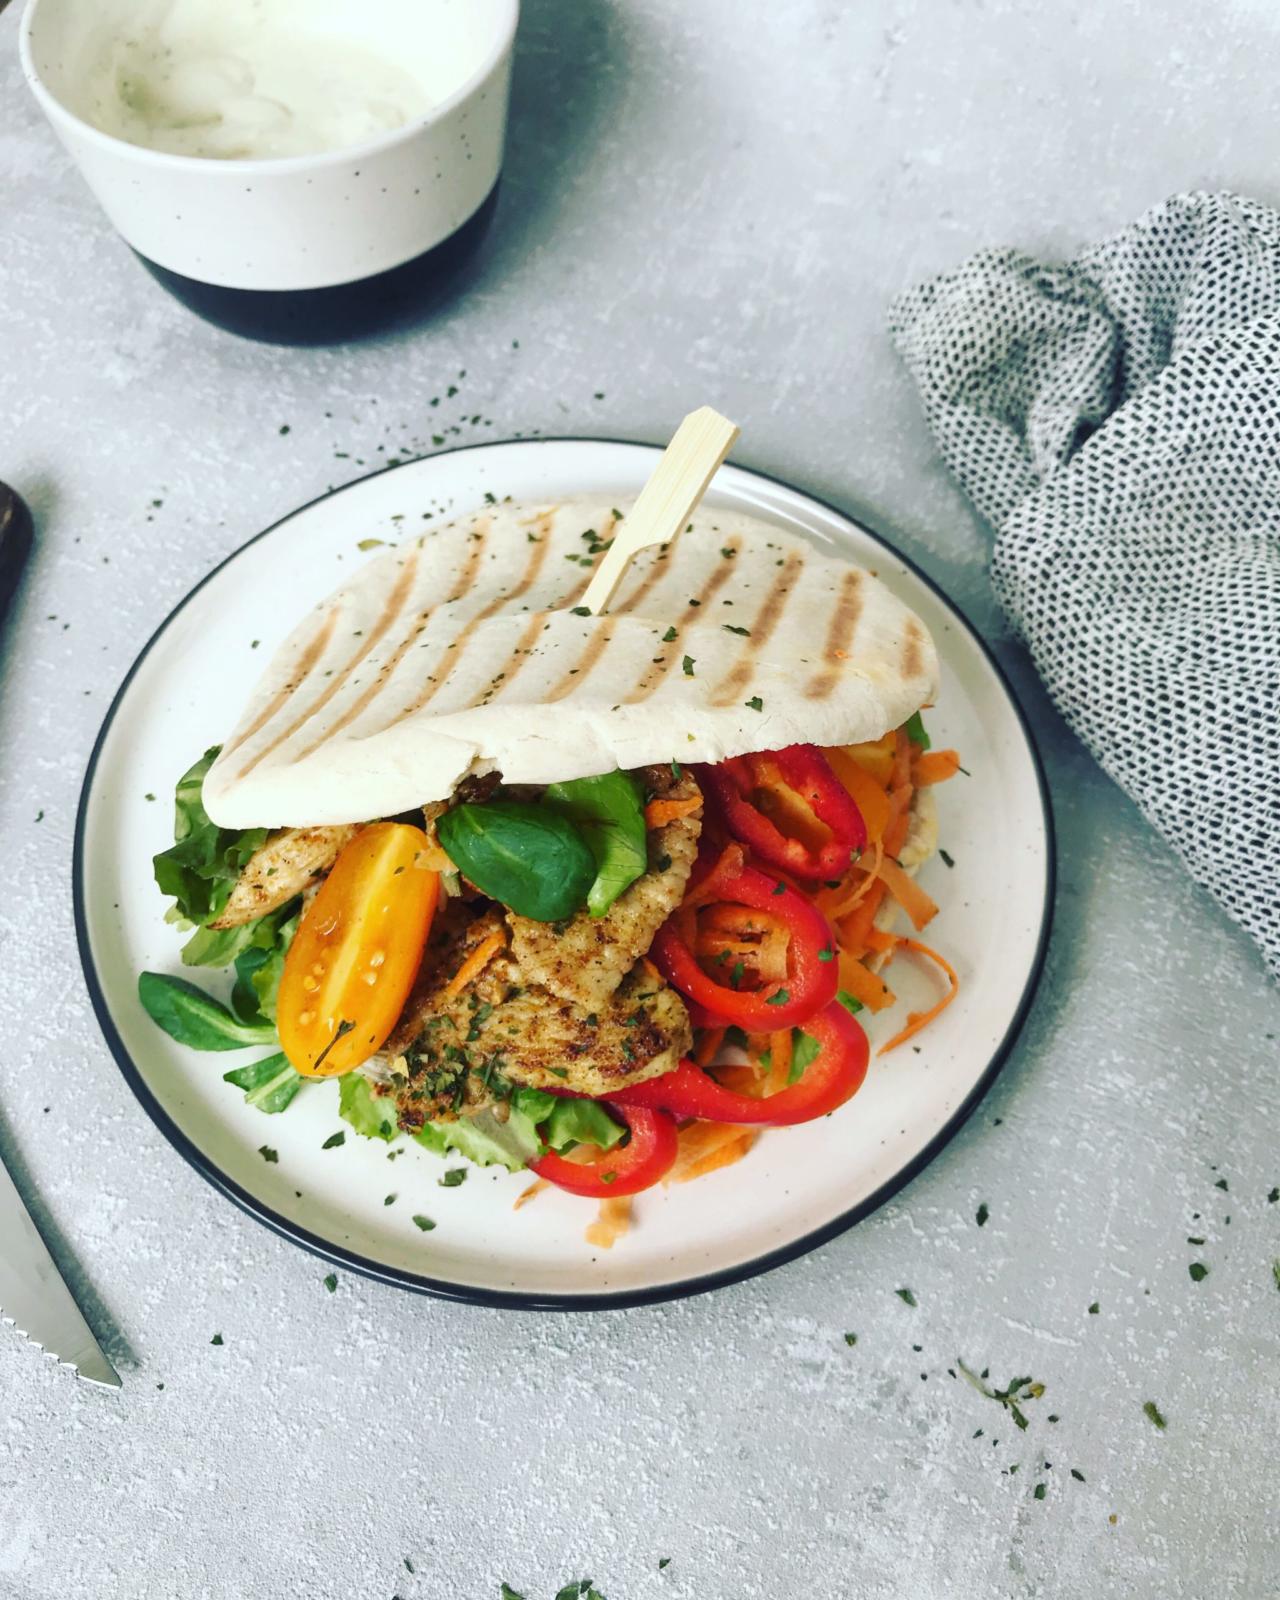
(1118, 421)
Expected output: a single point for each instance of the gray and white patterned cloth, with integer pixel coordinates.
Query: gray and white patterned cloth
(1117, 420)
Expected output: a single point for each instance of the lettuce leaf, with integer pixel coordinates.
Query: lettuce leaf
(536, 1120)
(199, 870)
(372, 1115)
(512, 1144)
(581, 1122)
(260, 965)
(204, 861)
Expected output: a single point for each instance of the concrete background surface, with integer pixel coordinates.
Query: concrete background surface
(702, 202)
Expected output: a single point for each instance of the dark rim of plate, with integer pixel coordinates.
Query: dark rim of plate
(532, 1300)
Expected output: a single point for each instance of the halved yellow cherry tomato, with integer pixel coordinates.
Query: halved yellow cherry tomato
(357, 951)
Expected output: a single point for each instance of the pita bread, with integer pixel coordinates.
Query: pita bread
(461, 653)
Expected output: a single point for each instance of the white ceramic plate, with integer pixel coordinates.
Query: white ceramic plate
(798, 1186)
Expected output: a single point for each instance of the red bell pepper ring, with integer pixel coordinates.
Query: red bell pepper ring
(834, 1075)
(804, 770)
(647, 1156)
(812, 973)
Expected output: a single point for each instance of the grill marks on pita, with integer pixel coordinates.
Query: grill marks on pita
(457, 646)
(692, 612)
(599, 642)
(913, 649)
(466, 578)
(309, 655)
(840, 630)
(387, 671)
(390, 611)
(766, 620)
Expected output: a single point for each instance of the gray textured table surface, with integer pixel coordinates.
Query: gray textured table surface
(707, 202)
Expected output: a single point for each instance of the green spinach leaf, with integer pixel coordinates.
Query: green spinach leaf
(269, 1084)
(529, 857)
(194, 1018)
(915, 730)
(609, 811)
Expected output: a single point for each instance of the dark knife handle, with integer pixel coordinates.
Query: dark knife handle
(15, 539)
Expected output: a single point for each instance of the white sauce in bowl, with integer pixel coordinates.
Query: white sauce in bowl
(222, 79)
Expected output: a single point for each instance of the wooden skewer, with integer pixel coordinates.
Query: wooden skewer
(667, 501)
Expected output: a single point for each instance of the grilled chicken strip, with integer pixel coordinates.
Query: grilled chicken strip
(448, 1050)
(584, 960)
(288, 864)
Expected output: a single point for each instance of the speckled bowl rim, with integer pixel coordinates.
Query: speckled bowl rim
(56, 109)
(532, 1301)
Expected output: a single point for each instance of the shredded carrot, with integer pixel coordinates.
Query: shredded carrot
(733, 1149)
(708, 1046)
(920, 1019)
(837, 903)
(741, 1079)
(612, 1220)
(901, 760)
(867, 791)
(659, 812)
(863, 984)
(895, 835)
(935, 766)
(908, 893)
(651, 972)
(475, 964)
(707, 1146)
(525, 1195)
(858, 924)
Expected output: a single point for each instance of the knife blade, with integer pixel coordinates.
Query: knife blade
(36, 1300)
(15, 540)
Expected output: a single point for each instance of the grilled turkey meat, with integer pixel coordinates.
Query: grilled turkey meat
(289, 863)
(584, 960)
(449, 1051)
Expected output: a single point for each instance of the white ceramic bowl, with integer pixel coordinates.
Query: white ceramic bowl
(297, 223)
